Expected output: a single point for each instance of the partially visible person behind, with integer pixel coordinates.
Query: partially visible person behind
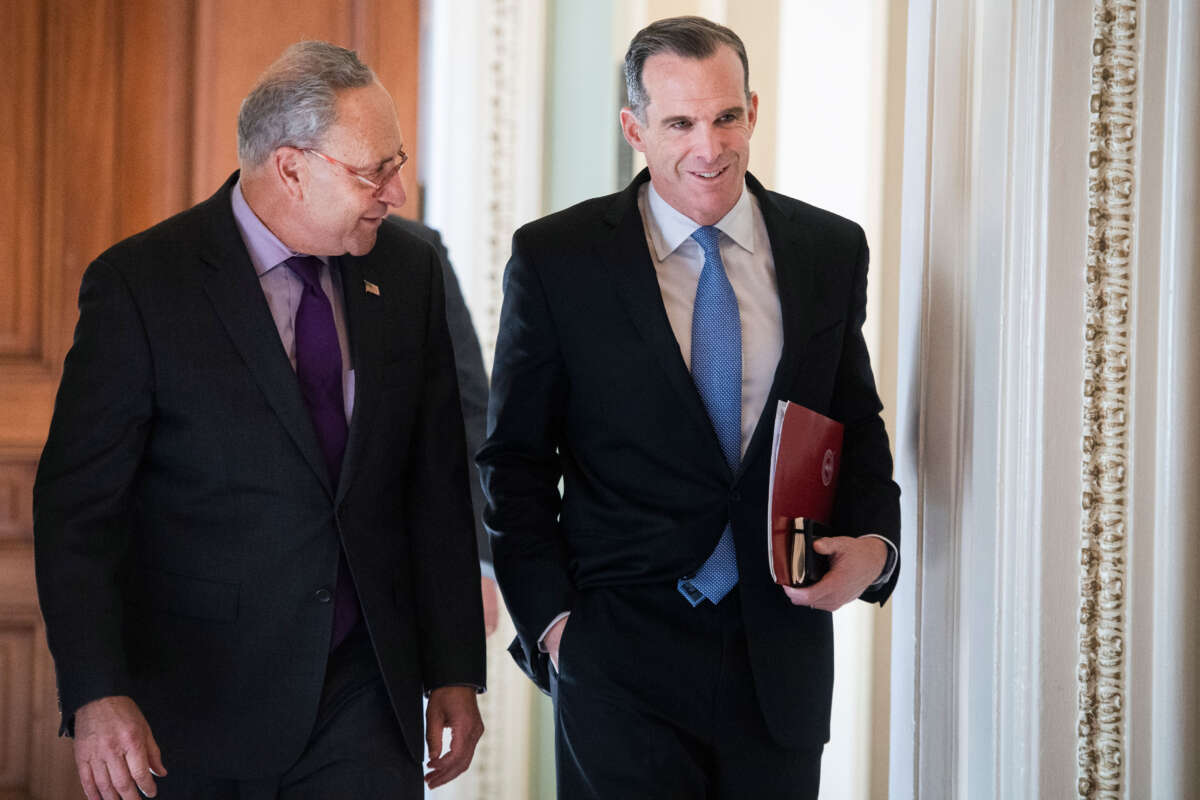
(645, 341)
(473, 392)
(252, 523)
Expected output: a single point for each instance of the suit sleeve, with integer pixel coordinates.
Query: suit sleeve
(868, 500)
(445, 563)
(520, 462)
(473, 391)
(81, 496)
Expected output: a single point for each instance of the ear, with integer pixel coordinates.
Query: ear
(290, 168)
(752, 112)
(632, 130)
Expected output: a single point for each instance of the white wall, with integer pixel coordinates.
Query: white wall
(583, 97)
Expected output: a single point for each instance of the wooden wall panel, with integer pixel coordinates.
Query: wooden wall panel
(78, 214)
(21, 158)
(30, 755)
(16, 496)
(26, 399)
(16, 690)
(154, 113)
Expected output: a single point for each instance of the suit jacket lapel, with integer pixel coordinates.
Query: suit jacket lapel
(793, 254)
(363, 318)
(237, 296)
(628, 259)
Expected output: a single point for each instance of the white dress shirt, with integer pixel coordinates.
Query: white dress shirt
(746, 254)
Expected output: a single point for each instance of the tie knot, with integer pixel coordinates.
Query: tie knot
(709, 239)
(307, 269)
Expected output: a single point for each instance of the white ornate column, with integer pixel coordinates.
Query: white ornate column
(482, 100)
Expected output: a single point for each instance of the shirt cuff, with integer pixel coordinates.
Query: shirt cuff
(553, 622)
(889, 566)
(486, 570)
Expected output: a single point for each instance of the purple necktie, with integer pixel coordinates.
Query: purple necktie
(319, 369)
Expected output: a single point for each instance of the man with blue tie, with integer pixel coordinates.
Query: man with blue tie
(645, 340)
(252, 521)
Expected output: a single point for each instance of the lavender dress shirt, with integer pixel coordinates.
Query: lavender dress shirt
(283, 289)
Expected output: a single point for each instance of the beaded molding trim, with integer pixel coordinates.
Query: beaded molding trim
(1111, 181)
(507, 734)
(502, 47)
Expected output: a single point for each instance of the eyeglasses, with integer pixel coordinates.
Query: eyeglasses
(378, 180)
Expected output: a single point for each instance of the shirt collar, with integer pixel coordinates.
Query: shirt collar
(670, 228)
(265, 249)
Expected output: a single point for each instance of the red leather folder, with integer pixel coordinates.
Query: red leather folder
(806, 455)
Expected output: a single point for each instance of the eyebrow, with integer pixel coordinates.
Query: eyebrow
(383, 162)
(676, 118)
(737, 111)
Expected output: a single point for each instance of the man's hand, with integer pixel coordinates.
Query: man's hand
(452, 707)
(553, 637)
(854, 564)
(491, 606)
(115, 752)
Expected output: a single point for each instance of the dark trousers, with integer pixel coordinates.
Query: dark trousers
(654, 699)
(356, 749)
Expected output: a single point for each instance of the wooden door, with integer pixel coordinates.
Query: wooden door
(115, 114)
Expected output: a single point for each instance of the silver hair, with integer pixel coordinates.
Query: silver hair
(690, 37)
(294, 101)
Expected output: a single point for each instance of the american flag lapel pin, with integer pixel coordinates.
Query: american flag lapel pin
(371, 288)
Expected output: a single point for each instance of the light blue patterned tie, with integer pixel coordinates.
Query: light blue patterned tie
(717, 371)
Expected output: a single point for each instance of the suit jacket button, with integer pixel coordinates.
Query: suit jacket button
(323, 595)
(735, 495)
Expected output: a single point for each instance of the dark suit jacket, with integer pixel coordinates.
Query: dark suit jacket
(589, 384)
(472, 376)
(186, 531)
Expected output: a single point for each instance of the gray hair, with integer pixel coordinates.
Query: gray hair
(294, 102)
(690, 37)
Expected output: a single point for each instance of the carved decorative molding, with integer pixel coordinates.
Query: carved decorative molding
(502, 759)
(501, 89)
(1102, 590)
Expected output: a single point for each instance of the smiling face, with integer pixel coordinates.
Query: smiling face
(342, 214)
(696, 135)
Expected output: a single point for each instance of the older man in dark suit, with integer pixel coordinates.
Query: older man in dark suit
(252, 520)
(645, 340)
